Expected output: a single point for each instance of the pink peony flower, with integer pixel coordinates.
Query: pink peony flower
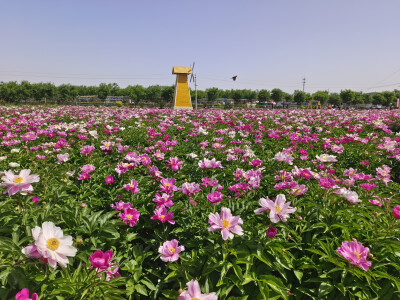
(130, 216)
(174, 163)
(168, 185)
(170, 251)
(368, 186)
(101, 261)
(278, 210)
(190, 188)
(83, 176)
(132, 186)
(18, 183)
(164, 200)
(210, 164)
(87, 150)
(194, 292)
(327, 183)
(215, 197)
(227, 223)
(163, 215)
(62, 158)
(121, 205)
(396, 212)
(109, 179)
(24, 295)
(356, 253)
(88, 169)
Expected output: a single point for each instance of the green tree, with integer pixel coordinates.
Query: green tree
(104, 91)
(167, 93)
(334, 98)
(66, 93)
(226, 94)
(299, 97)
(390, 98)
(153, 93)
(321, 96)
(277, 95)
(367, 98)
(378, 99)
(236, 95)
(264, 95)
(212, 94)
(347, 96)
(287, 97)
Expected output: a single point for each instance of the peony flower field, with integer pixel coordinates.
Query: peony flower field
(123, 203)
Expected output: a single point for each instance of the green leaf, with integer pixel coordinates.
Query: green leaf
(324, 289)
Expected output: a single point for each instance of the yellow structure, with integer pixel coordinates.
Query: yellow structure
(182, 94)
(314, 104)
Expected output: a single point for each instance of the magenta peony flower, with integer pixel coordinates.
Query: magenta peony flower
(356, 253)
(227, 223)
(132, 186)
(130, 216)
(164, 200)
(215, 197)
(168, 185)
(109, 179)
(170, 251)
(271, 232)
(174, 163)
(163, 215)
(327, 183)
(18, 183)
(278, 210)
(396, 211)
(194, 292)
(87, 150)
(24, 295)
(101, 261)
(84, 176)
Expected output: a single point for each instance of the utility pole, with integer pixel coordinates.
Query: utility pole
(195, 89)
(304, 83)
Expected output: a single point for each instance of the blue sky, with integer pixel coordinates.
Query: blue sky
(334, 44)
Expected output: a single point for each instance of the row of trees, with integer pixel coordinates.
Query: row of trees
(14, 92)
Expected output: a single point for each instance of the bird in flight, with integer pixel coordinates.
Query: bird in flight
(234, 78)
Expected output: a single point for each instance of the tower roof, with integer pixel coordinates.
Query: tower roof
(181, 70)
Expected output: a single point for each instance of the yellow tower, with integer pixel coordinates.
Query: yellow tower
(182, 94)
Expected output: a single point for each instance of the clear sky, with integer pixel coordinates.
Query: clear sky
(334, 44)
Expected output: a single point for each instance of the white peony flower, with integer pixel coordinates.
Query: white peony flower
(53, 245)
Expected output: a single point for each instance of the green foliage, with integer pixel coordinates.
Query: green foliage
(277, 95)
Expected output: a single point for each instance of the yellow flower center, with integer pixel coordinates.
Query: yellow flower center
(131, 185)
(167, 184)
(162, 217)
(53, 244)
(107, 145)
(324, 159)
(197, 298)
(216, 145)
(18, 179)
(277, 208)
(129, 217)
(358, 255)
(172, 250)
(298, 191)
(225, 223)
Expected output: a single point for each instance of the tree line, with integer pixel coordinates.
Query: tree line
(14, 92)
